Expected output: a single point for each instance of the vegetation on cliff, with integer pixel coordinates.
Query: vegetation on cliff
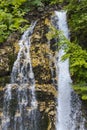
(77, 49)
(78, 61)
(78, 67)
(12, 15)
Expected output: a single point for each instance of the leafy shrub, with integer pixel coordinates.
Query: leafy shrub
(11, 17)
(77, 57)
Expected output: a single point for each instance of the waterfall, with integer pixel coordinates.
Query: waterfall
(64, 80)
(69, 116)
(23, 85)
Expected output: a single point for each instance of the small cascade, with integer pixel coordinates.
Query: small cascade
(6, 107)
(69, 115)
(23, 85)
(52, 64)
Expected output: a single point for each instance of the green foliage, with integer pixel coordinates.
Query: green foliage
(78, 66)
(16, 25)
(36, 3)
(78, 61)
(77, 19)
(53, 33)
(54, 1)
(77, 51)
(58, 1)
(3, 32)
(12, 14)
(11, 17)
(81, 90)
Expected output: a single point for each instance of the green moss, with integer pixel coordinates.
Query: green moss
(11, 58)
(4, 80)
(84, 97)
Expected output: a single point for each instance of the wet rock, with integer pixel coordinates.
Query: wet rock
(43, 67)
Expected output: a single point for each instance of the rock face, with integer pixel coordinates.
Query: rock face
(43, 63)
(4, 63)
(8, 52)
(42, 57)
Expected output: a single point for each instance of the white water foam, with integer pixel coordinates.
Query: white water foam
(22, 75)
(69, 115)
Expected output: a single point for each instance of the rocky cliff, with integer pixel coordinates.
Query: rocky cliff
(43, 62)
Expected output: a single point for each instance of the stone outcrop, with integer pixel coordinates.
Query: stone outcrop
(43, 63)
(8, 52)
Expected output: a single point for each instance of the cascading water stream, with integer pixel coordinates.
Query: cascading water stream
(69, 116)
(22, 77)
(64, 80)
